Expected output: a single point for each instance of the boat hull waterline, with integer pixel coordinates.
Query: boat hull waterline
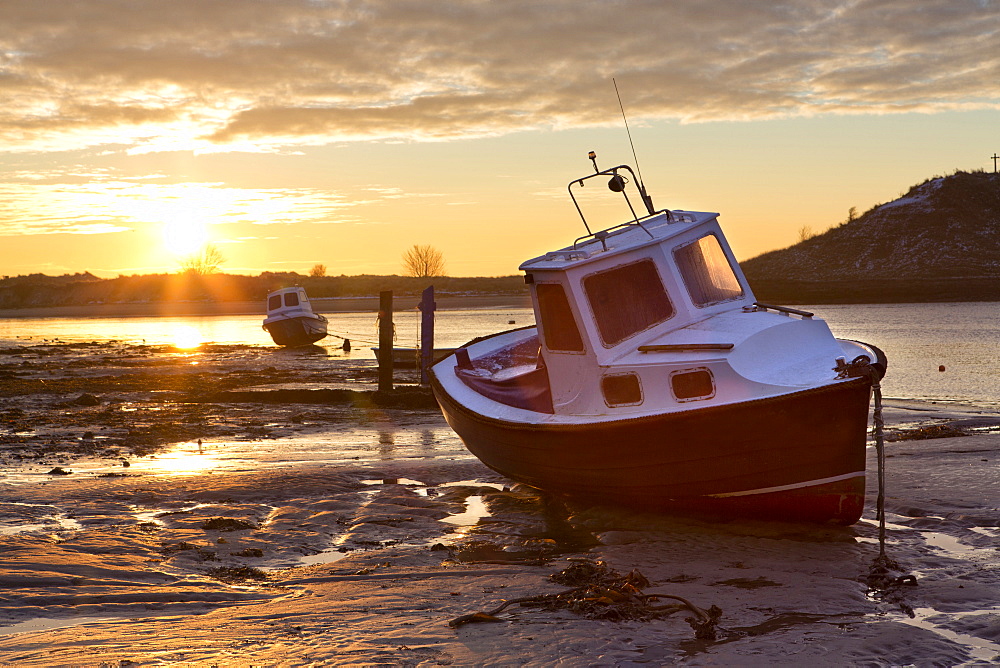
(300, 331)
(798, 457)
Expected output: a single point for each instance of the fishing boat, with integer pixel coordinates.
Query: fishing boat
(291, 320)
(654, 379)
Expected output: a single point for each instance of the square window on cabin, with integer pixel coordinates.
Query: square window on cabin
(558, 324)
(692, 384)
(706, 272)
(274, 302)
(621, 389)
(627, 300)
(291, 299)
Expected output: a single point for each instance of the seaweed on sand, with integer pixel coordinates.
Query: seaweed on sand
(599, 592)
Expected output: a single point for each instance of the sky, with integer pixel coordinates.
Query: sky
(292, 133)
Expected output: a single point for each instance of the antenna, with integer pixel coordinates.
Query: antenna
(646, 199)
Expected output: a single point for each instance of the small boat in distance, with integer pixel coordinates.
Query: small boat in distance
(290, 318)
(653, 379)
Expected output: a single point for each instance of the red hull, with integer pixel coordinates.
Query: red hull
(800, 456)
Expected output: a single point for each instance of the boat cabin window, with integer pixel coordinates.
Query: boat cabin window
(291, 299)
(558, 324)
(273, 302)
(691, 384)
(627, 300)
(621, 389)
(706, 272)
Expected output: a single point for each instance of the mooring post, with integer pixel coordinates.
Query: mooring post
(427, 306)
(385, 342)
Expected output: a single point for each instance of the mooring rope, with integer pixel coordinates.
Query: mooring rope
(878, 428)
(352, 337)
(882, 578)
(886, 578)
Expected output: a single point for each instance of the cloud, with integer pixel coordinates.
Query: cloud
(65, 203)
(238, 75)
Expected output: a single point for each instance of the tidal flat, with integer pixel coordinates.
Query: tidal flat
(242, 505)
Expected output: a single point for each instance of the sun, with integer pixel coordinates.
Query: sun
(186, 337)
(185, 237)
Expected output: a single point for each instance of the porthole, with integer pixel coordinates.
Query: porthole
(621, 389)
(692, 384)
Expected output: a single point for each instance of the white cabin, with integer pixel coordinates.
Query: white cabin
(288, 302)
(656, 315)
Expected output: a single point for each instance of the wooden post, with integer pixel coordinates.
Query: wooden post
(427, 306)
(385, 342)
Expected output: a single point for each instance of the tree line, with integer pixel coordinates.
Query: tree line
(418, 262)
(78, 289)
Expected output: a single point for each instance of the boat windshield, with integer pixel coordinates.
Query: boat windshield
(291, 299)
(627, 300)
(274, 302)
(706, 272)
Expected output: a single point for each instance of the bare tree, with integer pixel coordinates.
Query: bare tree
(423, 261)
(205, 262)
(806, 233)
(318, 270)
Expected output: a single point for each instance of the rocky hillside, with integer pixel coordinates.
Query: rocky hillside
(940, 241)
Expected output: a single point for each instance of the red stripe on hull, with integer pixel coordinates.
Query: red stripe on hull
(677, 460)
(840, 502)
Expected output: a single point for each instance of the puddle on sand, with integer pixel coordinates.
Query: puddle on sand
(475, 510)
(950, 545)
(46, 519)
(475, 506)
(328, 556)
(979, 648)
(420, 488)
(48, 624)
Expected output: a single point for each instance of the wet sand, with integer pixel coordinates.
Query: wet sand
(339, 528)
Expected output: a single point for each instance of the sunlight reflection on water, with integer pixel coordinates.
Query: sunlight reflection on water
(186, 337)
(341, 446)
(181, 459)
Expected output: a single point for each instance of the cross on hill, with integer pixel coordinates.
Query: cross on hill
(995, 158)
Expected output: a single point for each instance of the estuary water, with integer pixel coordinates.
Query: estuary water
(920, 340)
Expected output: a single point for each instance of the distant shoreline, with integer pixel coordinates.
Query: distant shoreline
(328, 305)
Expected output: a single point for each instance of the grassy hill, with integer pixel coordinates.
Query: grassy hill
(938, 242)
